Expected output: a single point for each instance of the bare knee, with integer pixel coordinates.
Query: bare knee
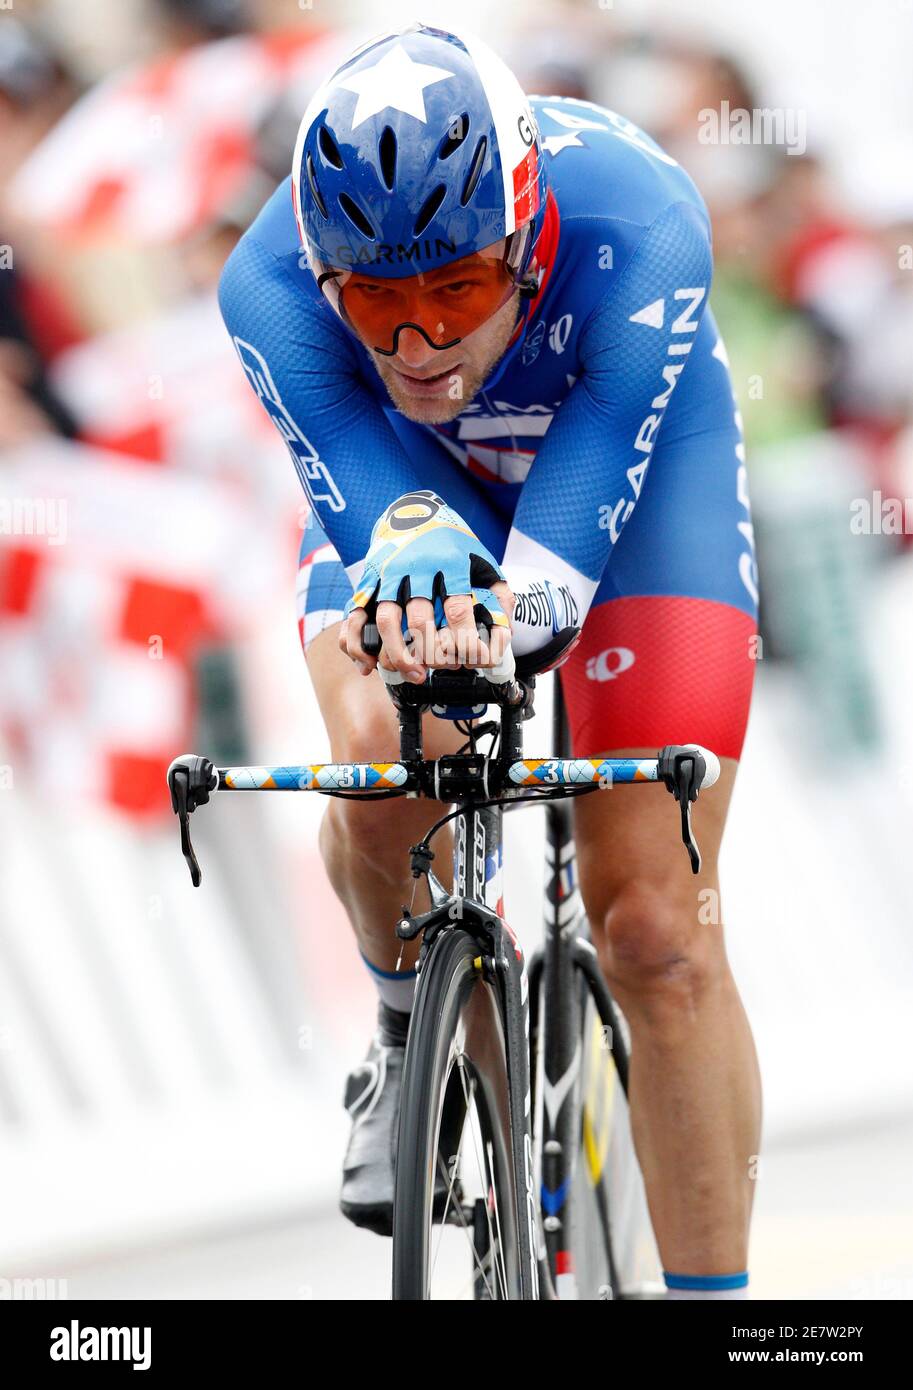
(364, 838)
(362, 730)
(654, 948)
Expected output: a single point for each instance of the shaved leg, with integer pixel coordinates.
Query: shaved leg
(366, 847)
(695, 1089)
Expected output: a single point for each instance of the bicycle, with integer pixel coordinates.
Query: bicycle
(506, 1103)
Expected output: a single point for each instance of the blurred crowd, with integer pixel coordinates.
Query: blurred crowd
(813, 294)
(815, 300)
(129, 169)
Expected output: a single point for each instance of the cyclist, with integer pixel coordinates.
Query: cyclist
(480, 323)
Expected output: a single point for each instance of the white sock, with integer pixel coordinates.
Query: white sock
(395, 987)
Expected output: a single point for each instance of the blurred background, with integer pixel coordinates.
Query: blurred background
(172, 1060)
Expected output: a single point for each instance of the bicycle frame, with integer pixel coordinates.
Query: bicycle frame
(477, 877)
(555, 1009)
(481, 786)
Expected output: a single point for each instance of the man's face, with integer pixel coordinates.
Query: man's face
(432, 386)
(430, 393)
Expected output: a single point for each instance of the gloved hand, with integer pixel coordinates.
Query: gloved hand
(427, 572)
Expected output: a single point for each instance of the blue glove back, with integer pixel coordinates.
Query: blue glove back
(421, 548)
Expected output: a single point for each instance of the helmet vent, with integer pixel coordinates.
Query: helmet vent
(355, 215)
(328, 148)
(455, 136)
(315, 191)
(429, 208)
(472, 178)
(387, 151)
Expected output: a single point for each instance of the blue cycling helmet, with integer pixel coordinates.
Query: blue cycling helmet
(420, 149)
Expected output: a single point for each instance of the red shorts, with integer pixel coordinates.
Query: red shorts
(653, 670)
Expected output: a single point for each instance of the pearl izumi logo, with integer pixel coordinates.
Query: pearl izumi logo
(77, 1343)
(559, 333)
(609, 664)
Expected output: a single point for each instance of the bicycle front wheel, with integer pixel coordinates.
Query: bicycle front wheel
(455, 1212)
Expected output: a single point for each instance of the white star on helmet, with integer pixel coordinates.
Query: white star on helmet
(556, 143)
(397, 83)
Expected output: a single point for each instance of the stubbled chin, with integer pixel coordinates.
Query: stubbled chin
(480, 353)
(423, 411)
